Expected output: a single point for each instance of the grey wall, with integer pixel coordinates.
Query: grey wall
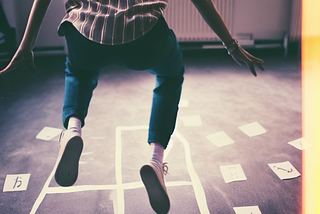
(9, 11)
(17, 12)
(265, 19)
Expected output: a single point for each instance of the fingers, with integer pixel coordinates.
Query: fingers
(17, 60)
(240, 55)
(12, 65)
(249, 62)
(3, 71)
(252, 59)
(260, 66)
(258, 62)
(234, 58)
(250, 65)
(249, 56)
(29, 60)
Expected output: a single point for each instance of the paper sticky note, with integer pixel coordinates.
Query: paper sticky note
(284, 170)
(184, 103)
(232, 173)
(220, 139)
(192, 120)
(300, 143)
(17, 182)
(252, 129)
(247, 210)
(48, 133)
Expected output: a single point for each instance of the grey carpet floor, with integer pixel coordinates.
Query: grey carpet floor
(220, 96)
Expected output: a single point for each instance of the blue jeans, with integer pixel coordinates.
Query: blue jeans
(158, 52)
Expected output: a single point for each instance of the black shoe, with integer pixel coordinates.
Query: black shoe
(70, 148)
(153, 179)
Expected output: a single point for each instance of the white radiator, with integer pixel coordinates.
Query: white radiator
(188, 25)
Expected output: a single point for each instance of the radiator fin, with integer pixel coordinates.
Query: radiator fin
(188, 25)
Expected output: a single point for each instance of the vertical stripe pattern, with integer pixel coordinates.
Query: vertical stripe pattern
(113, 22)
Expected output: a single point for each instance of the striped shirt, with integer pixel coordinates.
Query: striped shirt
(113, 22)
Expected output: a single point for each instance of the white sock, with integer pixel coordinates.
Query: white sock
(74, 124)
(157, 152)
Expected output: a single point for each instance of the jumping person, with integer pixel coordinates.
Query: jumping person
(133, 34)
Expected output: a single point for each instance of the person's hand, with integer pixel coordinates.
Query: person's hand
(241, 56)
(18, 58)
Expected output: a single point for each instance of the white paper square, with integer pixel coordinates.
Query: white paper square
(232, 173)
(184, 103)
(17, 182)
(300, 143)
(284, 170)
(48, 133)
(252, 129)
(192, 120)
(220, 139)
(247, 210)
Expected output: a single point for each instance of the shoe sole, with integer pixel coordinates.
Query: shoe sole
(158, 198)
(67, 170)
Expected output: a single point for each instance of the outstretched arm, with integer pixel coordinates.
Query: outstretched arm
(210, 14)
(24, 51)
